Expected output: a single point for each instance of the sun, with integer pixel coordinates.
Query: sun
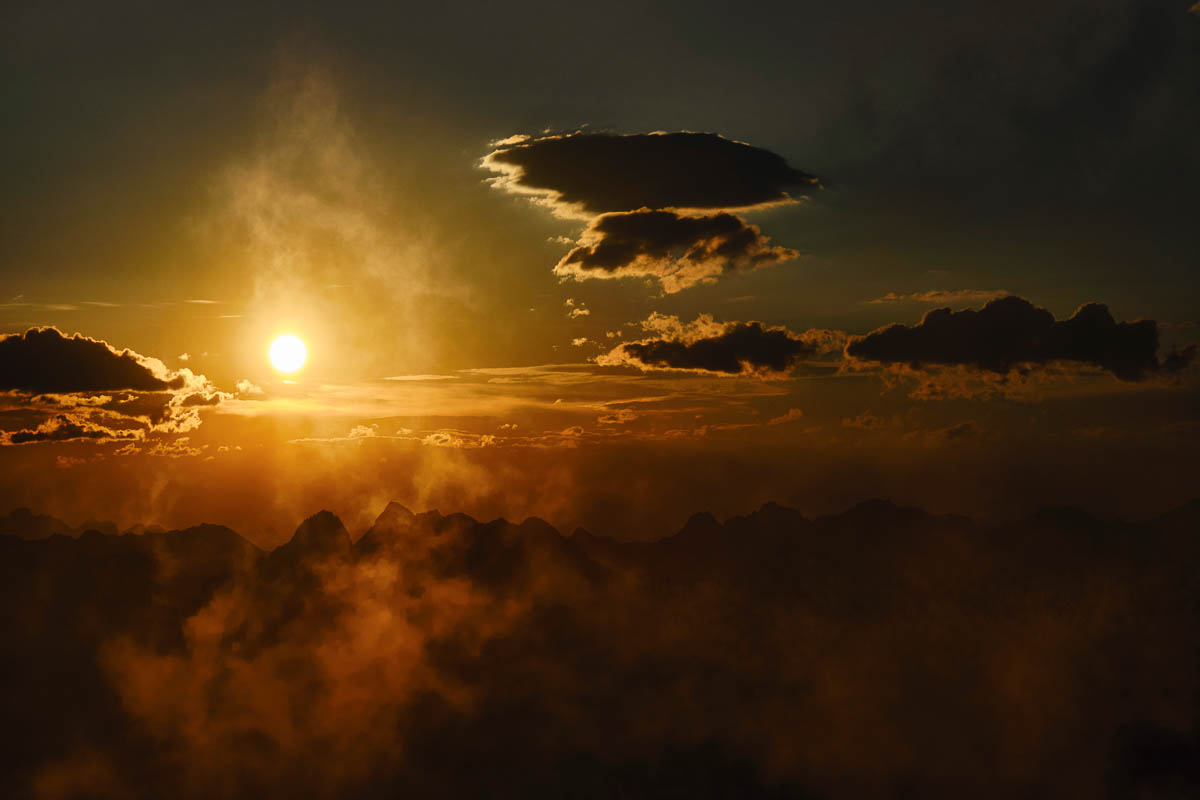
(288, 354)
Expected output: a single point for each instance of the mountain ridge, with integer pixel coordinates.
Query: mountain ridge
(945, 635)
(323, 530)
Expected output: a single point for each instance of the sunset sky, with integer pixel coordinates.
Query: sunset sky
(644, 400)
(609, 265)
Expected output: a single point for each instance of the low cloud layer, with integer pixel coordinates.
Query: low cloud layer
(598, 172)
(727, 348)
(1011, 333)
(678, 251)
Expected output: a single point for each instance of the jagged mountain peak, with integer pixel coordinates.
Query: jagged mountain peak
(395, 514)
(539, 525)
(24, 524)
(322, 532)
(99, 526)
(875, 511)
(701, 524)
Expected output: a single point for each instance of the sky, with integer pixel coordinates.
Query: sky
(608, 265)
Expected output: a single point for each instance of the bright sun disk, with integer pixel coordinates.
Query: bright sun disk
(288, 354)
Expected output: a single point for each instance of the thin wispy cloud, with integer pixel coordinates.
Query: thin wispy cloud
(940, 296)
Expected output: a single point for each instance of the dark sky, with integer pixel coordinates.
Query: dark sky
(1043, 148)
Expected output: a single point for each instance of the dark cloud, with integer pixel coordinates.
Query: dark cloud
(1011, 332)
(679, 251)
(43, 360)
(201, 399)
(730, 348)
(598, 172)
(151, 407)
(83, 388)
(64, 428)
(632, 188)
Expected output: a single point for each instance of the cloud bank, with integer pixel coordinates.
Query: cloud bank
(1011, 333)
(80, 388)
(725, 348)
(45, 360)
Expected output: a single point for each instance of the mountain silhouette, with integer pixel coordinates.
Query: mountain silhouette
(884, 651)
(24, 524)
(321, 535)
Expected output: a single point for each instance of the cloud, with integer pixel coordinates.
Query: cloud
(943, 296)
(865, 421)
(84, 388)
(45, 360)
(247, 388)
(704, 345)
(618, 417)
(1012, 333)
(458, 439)
(678, 251)
(792, 415)
(645, 196)
(65, 428)
(162, 448)
(962, 430)
(576, 310)
(201, 399)
(583, 174)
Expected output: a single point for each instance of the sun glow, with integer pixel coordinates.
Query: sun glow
(288, 354)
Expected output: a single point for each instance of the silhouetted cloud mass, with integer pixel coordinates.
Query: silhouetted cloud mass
(730, 348)
(679, 251)
(598, 172)
(85, 389)
(43, 360)
(1011, 332)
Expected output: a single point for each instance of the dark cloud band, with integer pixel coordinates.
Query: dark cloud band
(598, 172)
(1011, 332)
(730, 348)
(65, 429)
(44, 360)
